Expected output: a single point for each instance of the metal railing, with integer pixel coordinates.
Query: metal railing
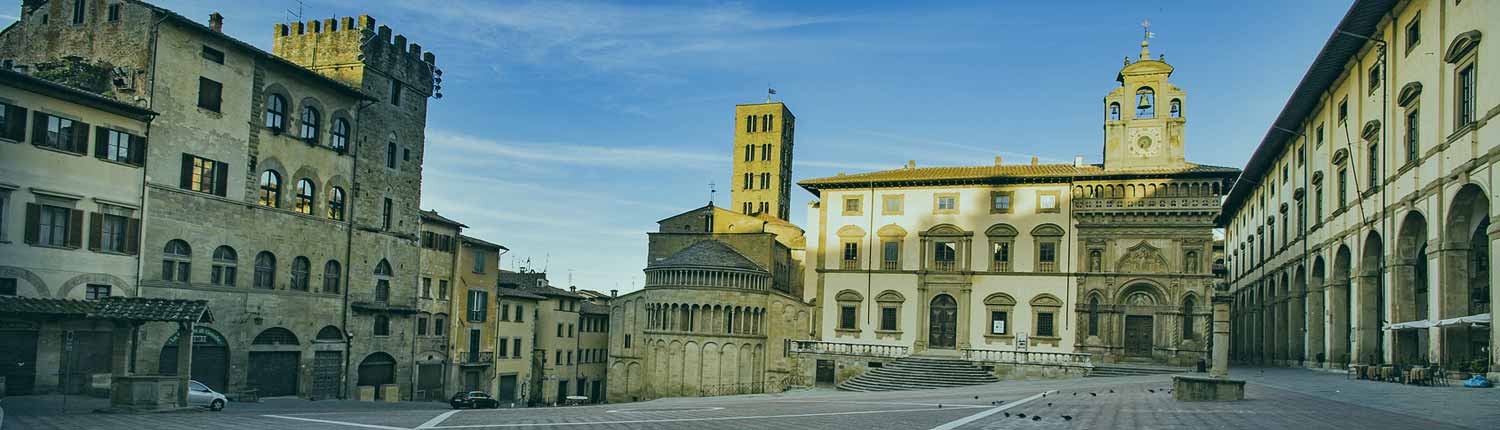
(859, 349)
(1029, 357)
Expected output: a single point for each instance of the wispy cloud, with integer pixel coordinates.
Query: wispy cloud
(920, 141)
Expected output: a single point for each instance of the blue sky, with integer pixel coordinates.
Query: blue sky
(568, 128)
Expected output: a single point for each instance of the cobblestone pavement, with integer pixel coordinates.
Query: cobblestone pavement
(1278, 399)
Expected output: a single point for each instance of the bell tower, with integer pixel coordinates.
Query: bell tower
(1144, 116)
(763, 159)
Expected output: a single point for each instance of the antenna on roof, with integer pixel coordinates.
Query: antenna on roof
(297, 14)
(711, 191)
(547, 262)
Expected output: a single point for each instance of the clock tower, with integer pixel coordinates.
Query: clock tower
(1144, 117)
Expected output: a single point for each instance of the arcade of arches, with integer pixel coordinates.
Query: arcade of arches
(1373, 299)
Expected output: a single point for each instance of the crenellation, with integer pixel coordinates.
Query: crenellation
(298, 28)
(415, 50)
(315, 26)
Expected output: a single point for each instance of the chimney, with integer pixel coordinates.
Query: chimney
(572, 288)
(216, 22)
(614, 293)
(1034, 160)
(911, 164)
(1077, 161)
(997, 160)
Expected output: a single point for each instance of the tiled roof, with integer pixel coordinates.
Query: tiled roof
(55, 89)
(482, 242)
(39, 306)
(432, 215)
(147, 309)
(1001, 173)
(594, 308)
(708, 254)
(526, 281)
(513, 292)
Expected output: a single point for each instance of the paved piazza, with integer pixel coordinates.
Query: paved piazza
(1279, 399)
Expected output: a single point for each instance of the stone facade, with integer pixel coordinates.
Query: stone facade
(1369, 202)
(1110, 259)
(250, 194)
(763, 139)
(438, 240)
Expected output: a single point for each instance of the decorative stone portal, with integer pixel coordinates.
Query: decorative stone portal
(943, 322)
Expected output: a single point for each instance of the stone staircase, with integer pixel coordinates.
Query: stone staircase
(919, 373)
(1120, 369)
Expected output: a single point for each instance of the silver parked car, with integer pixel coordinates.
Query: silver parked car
(201, 395)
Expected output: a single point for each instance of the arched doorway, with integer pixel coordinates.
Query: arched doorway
(1139, 304)
(1466, 281)
(210, 358)
(942, 322)
(274, 363)
(328, 363)
(1371, 341)
(1409, 292)
(377, 369)
(1316, 324)
(1338, 307)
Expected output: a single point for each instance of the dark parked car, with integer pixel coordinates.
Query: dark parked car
(473, 399)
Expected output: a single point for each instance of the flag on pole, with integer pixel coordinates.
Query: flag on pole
(770, 91)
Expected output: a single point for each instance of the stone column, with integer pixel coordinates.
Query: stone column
(120, 346)
(1221, 302)
(184, 361)
(1365, 320)
(1317, 324)
(1283, 338)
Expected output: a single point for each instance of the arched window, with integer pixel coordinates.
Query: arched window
(332, 273)
(336, 204)
(383, 281)
(176, 261)
(382, 325)
(275, 336)
(330, 334)
(1114, 111)
(340, 137)
(265, 270)
(765, 122)
(1176, 111)
(750, 124)
(301, 272)
(310, 123)
(390, 154)
(275, 112)
(304, 202)
(1145, 99)
(270, 189)
(1094, 316)
(226, 263)
(1188, 333)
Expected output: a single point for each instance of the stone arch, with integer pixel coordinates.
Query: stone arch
(329, 334)
(1151, 290)
(945, 230)
(35, 281)
(890, 296)
(1371, 300)
(891, 231)
(289, 107)
(377, 368)
(849, 296)
(1047, 229)
(1409, 292)
(114, 282)
(1317, 325)
(1338, 305)
(1002, 299)
(276, 336)
(1001, 230)
(1045, 299)
(851, 231)
(1466, 258)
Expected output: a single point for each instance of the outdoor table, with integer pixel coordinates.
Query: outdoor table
(1415, 374)
(1387, 373)
(1359, 371)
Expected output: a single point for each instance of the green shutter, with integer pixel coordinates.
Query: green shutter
(80, 138)
(101, 142)
(186, 180)
(96, 230)
(33, 220)
(15, 126)
(75, 229)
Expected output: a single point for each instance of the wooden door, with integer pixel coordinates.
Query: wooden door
(825, 373)
(327, 366)
(942, 330)
(1138, 335)
(273, 374)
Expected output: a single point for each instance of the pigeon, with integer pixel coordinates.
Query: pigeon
(1148, 390)
(1007, 414)
(1094, 395)
(1067, 418)
(1075, 393)
(940, 405)
(976, 397)
(1044, 395)
(1049, 404)
(1036, 417)
(1111, 391)
(1020, 415)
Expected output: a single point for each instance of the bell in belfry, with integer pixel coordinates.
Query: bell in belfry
(1145, 101)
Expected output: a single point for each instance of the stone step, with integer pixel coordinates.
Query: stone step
(1105, 371)
(918, 373)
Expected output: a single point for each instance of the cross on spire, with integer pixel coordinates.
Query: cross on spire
(1146, 36)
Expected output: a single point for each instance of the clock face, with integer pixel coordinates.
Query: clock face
(1144, 141)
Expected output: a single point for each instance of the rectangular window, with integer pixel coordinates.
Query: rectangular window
(765, 152)
(503, 349)
(559, 329)
(1000, 256)
(1286, 175)
(852, 205)
(1344, 109)
(1466, 95)
(210, 94)
(12, 122)
(1343, 195)
(998, 320)
(888, 318)
(477, 305)
(438, 326)
(421, 326)
(60, 133)
(1374, 77)
(516, 353)
(212, 54)
(1413, 32)
(4, 206)
(385, 214)
(7, 286)
(520, 315)
(1318, 202)
(478, 262)
(1301, 155)
(1000, 202)
(1374, 165)
(204, 175)
(1319, 137)
(892, 204)
(79, 7)
(1413, 142)
(847, 317)
(114, 12)
(945, 256)
(112, 232)
(1047, 257)
(891, 255)
(945, 203)
(426, 288)
(851, 255)
(1046, 202)
(1044, 325)
(395, 92)
(505, 312)
(96, 292)
(52, 226)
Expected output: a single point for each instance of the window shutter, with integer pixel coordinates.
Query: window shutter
(186, 181)
(96, 230)
(80, 137)
(484, 306)
(138, 150)
(101, 143)
(39, 129)
(133, 237)
(33, 218)
(221, 178)
(75, 229)
(15, 130)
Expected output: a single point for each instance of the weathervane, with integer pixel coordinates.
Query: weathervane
(1146, 36)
